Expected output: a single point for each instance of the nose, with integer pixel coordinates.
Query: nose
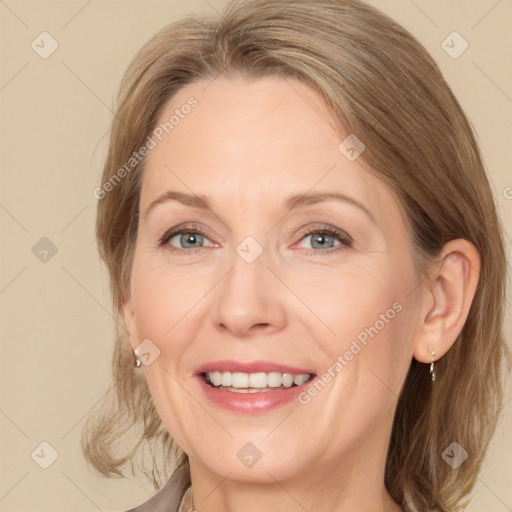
(248, 300)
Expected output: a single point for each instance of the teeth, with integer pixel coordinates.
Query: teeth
(274, 379)
(300, 379)
(287, 380)
(239, 380)
(215, 378)
(258, 380)
(226, 379)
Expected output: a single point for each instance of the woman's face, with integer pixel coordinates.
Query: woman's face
(272, 279)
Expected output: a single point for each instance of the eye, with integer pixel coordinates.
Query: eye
(186, 239)
(326, 239)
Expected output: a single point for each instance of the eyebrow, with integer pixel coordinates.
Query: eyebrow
(292, 203)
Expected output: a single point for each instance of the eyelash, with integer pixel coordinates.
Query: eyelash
(344, 239)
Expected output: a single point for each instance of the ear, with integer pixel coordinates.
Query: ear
(129, 321)
(448, 294)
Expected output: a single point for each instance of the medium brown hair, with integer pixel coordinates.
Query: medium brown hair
(382, 85)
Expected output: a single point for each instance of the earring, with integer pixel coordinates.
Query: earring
(138, 360)
(432, 371)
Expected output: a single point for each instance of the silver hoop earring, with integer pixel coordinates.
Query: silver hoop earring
(432, 370)
(138, 360)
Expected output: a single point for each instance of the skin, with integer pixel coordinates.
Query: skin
(248, 145)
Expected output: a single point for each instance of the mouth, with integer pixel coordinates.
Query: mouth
(252, 387)
(260, 382)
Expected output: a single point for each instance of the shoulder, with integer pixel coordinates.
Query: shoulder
(168, 498)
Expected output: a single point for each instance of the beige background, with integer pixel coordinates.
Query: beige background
(56, 328)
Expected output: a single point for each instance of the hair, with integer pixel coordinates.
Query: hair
(382, 85)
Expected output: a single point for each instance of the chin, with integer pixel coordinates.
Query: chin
(242, 467)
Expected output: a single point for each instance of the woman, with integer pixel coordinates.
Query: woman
(307, 267)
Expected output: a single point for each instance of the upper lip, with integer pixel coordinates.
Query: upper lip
(250, 367)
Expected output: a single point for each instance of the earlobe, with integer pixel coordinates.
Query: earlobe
(448, 292)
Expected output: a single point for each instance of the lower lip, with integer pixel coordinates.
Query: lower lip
(251, 403)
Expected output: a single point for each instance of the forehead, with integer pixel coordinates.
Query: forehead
(254, 141)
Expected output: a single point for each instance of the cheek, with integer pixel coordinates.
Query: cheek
(369, 313)
(161, 300)
(163, 297)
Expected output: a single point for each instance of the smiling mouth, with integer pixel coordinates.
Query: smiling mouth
(260, 382)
